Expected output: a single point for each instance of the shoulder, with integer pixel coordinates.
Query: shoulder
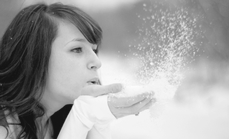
(3, 132)
(3, 124)
(9, 126)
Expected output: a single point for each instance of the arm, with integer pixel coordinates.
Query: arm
(73, 127)
(100, 132)
(93, 114)
(85, 113)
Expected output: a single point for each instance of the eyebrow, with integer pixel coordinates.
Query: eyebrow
(77, 39)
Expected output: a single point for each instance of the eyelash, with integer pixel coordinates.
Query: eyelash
(80, 50)
(77, 50)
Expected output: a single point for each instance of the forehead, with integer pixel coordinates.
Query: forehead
(67, 30)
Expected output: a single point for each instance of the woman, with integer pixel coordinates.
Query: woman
(48, 58)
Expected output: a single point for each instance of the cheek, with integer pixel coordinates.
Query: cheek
(66, 76)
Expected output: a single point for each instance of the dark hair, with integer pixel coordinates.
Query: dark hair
(24, 55)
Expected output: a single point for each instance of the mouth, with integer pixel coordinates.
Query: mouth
(94, 81)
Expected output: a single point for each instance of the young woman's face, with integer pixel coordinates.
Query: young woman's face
(73, 64)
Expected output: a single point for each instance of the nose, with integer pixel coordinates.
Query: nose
(94, 63)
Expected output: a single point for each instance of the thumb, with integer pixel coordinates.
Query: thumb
(97, 90)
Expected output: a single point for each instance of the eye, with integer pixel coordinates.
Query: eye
(77, 50)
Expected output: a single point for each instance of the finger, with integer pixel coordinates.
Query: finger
(97, 90)
(138, 107)
(148, 105)
(113, 88)
(127, 101)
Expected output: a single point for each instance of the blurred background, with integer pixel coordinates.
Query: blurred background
(200, 104)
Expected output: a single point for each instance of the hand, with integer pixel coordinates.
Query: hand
(123, 106)
(97, 90)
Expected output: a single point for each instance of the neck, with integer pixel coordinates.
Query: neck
(44, 127)
(51, 105)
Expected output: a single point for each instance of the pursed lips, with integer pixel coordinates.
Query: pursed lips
(93, 81)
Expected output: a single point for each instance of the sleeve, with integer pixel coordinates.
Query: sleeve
(100, 131)
(88, 114)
